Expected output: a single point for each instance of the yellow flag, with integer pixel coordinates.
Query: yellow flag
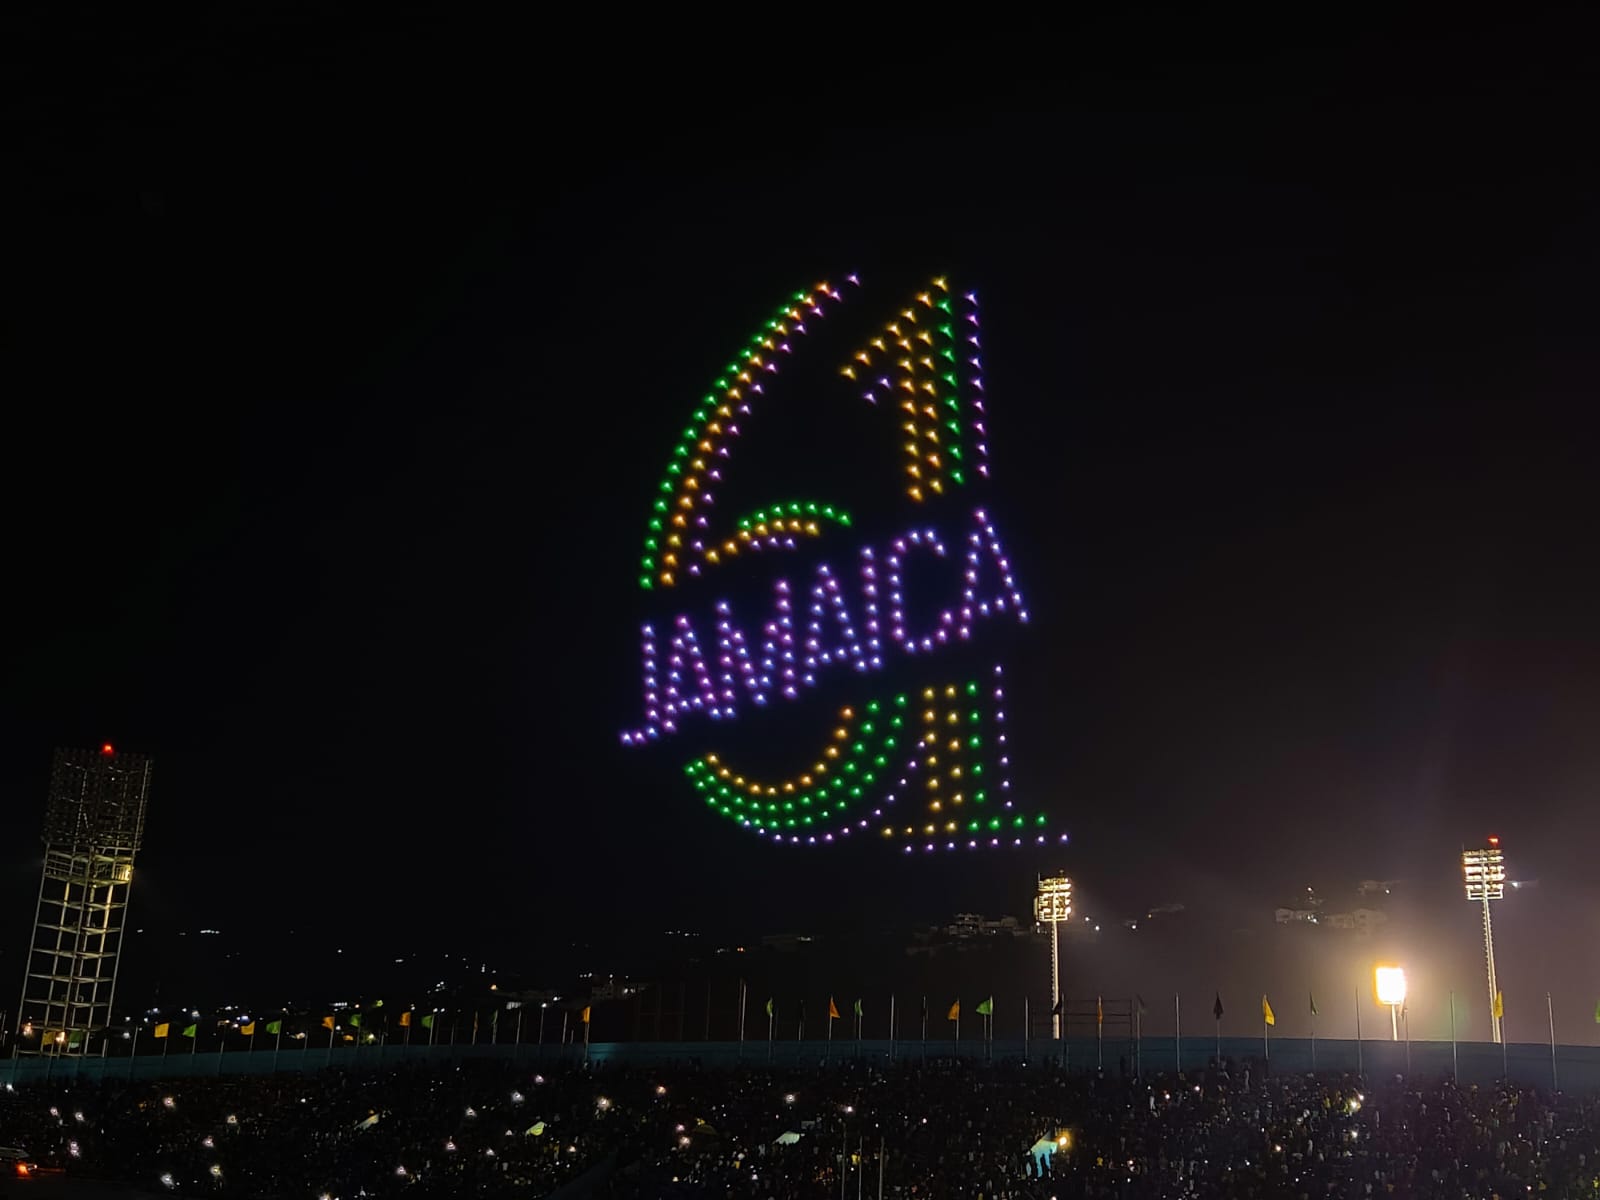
(1266, 1012)
(955, 1012)
(585, 1014)
(833, 1010)
(327, 1022)
(1099, 1010)
(161, 1030)
(1499, 1005)
(248, 1030)
(405, 1020)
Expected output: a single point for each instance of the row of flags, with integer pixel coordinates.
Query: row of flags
(355, 1020)
(985, 1008)
(1268, 1017)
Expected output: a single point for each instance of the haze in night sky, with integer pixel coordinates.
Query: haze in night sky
(340, 365)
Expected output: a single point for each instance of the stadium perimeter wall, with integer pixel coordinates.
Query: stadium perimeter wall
(1575, 1068)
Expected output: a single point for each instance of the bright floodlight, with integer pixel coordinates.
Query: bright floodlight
(1054, 901)
(1053, 906)
(1391, 984)
(1484, 872)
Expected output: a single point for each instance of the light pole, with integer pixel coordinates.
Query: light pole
(1390, 984)
(1485, 875)
(1053, 905)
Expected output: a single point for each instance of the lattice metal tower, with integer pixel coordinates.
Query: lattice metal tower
(93, 824)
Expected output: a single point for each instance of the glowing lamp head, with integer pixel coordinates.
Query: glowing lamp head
(107, 749)
(1494, 841)
(1390, 983)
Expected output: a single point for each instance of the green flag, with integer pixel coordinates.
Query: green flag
(769, 1006)
(427, 1021)
(190, 1031)
(377, 1004)
(355, 1020)
(986, 1009)
(274, 1027)
(857, 1007)
(1597, 1013)
(75, 1038)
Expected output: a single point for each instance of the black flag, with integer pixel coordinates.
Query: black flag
(1216, 1009)
(924, 1008)
(1142, 1006)
(1055, 1010)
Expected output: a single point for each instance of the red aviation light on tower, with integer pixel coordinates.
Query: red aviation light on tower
(108, 750)
(1494, 840)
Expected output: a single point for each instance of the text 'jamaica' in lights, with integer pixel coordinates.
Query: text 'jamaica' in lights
(921, 766)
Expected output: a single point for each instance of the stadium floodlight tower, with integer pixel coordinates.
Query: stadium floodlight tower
(1485, 876)
(93, 824)
(1053, 905)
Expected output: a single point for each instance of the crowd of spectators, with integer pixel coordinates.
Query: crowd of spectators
(914, 1131)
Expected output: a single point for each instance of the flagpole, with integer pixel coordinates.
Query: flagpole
(1138, 1037)
(1360, 1069)
(516, 1043)
(771, 1020)
(1455, 1063)
(1025, 1029)
(277, 1045)
(1266, 1044)
(133, 1051)
(1549, 1008)
(924, 1028)
(586, 1015)
(1099, 1033)
(891, 1042)
(1177, 1033)
(1405, 1021)
(1313, 1034)
(333, 1032)
(1501, 1005)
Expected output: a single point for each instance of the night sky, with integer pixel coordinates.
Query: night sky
(340, 364)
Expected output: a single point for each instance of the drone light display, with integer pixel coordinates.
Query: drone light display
(923, 767)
